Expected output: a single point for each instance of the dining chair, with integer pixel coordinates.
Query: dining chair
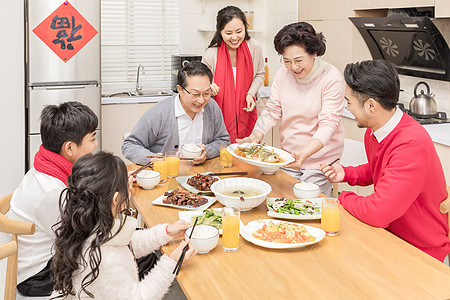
(444, 207)
(9, 250)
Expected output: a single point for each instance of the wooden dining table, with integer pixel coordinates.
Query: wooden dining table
(362, 262)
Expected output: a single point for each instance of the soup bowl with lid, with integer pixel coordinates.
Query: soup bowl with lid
(254, 192)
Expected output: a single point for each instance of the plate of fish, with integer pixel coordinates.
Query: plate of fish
(267, 158)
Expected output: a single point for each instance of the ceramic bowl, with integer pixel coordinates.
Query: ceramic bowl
(190, 151)
(304, 190)
(240, 183)
(148, 179)
(204, 238)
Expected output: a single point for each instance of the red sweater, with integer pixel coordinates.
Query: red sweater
(409, 186)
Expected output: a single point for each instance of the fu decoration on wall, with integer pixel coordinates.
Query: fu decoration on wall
(65, 31)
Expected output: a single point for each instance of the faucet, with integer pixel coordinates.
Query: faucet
(139, 86)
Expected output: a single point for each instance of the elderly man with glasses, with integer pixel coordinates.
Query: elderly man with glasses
(186, 118)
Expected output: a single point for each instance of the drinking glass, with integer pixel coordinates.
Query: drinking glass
(230, 228)
(173, 163)
(331, 218)
(226, 159)
(160, 165)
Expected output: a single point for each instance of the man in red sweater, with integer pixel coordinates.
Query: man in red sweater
(403, 165)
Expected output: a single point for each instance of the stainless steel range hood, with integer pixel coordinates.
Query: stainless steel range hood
(414, 45)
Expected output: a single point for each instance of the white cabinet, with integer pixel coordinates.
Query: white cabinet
(442, 8)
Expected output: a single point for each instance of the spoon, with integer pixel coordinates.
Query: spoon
(240, 194)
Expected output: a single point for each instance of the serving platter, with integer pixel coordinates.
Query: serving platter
(315, 216)
(211, 200)
(247, 230)
(189, 215)
(265, 167)
(182, 180)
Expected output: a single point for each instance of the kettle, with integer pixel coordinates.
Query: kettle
(423, 105)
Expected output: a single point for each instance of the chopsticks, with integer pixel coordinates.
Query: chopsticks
(180, 260)
(141, 168)
(228, 173)
(331, 163)
(181, 158)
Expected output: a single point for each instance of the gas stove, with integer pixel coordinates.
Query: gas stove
(439, 118)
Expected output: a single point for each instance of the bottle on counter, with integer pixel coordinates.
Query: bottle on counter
(266, 74)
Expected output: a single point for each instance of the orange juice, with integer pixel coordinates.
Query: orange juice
(161, 167)
(331, 219)
(226, 159)
(173, 166)
(230, 234)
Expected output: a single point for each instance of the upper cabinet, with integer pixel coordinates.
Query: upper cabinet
(371, 4)
(442, 8)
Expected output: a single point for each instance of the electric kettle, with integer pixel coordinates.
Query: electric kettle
(423, 105)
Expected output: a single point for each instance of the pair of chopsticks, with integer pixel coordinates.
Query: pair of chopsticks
(180, 260)
(334, 161)
(181, 158)
(228, 173)
(141, 168)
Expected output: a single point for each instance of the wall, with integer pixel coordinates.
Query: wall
(12, 115)
(199, 21)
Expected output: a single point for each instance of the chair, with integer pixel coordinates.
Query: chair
(444, 207)
(9, 250)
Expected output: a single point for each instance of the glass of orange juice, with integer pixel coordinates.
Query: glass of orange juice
(160, 165)
(173, 163)
(230, 228)
(226, 159)
(331, 217)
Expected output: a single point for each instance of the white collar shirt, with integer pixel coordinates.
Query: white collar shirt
(381, 133)
(190, 131)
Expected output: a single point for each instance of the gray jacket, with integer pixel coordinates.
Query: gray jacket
(157, 131)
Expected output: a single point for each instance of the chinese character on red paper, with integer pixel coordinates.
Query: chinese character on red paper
(65, 31)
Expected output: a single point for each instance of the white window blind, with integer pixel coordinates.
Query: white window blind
(138, 32)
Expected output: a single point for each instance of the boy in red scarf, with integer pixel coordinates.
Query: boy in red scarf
(67, 132)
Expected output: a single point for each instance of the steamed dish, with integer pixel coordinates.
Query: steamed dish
(259, 153)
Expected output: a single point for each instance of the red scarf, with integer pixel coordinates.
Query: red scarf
(52, 164)
(231, 100)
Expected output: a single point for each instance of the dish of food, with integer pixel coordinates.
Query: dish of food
(313, 235)
(283, 232)
(201, 182)
(268, 162)
(181, 198)
(200, 179)
(211, 216)
(294, 209)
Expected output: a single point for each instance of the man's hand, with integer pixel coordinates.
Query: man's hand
(255, 137)
(251, 103)
(335, 173)
(200, 159)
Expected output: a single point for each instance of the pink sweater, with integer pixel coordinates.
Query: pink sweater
(409, 186)
(310, 108)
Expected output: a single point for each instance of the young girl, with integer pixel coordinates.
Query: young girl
(96, 244)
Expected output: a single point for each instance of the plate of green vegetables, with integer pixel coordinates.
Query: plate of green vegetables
(294, 209)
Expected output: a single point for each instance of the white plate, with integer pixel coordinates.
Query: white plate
(273, 214)
(246, 233)
(182, 180)
(266, 167)
(211, 200)
(188, 215)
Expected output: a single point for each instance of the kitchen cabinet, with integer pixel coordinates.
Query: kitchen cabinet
(370, 4)
(442, 8)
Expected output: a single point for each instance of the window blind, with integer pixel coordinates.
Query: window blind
(138, 32)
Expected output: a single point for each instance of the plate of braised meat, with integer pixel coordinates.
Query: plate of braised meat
(184, 199)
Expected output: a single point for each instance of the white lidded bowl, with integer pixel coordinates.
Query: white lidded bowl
(148, 179)
(204, 238)
(190, 151)
(305, 190)
(238, 183)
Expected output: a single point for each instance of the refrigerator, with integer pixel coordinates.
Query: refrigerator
(62, 61)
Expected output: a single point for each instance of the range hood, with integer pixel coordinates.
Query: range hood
(413, 44)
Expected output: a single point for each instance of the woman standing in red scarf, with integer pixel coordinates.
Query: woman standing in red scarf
(236, 61)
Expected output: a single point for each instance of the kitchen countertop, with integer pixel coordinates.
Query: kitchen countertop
(439, 132)
(134, 99)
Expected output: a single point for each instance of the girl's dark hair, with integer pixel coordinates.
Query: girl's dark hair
(70, 121)
(224, 16)
(194, 68)
(375, 79)
(86, 212)
(301, 34)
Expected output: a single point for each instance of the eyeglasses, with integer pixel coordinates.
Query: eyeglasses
(297, 62)
(205, 95)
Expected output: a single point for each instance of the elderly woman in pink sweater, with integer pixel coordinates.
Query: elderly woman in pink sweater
(307, 95)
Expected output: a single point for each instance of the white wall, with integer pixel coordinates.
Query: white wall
(12, 116)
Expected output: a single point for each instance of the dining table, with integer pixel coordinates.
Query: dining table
(361, 262)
